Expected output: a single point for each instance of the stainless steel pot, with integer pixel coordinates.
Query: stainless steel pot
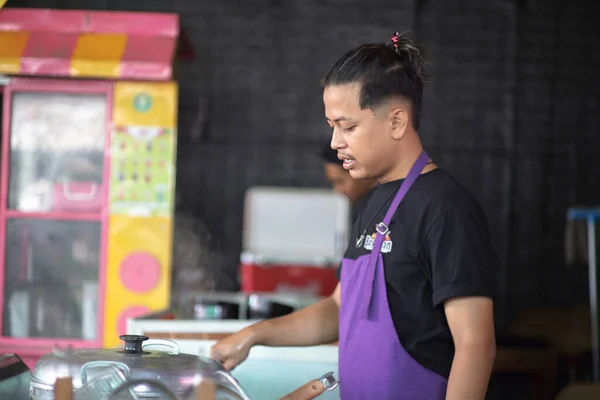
(176, 371)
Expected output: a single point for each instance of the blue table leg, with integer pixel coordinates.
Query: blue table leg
(591, 227)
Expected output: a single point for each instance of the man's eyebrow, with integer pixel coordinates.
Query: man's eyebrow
(339, 119)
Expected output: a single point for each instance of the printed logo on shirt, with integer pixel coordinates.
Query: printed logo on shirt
(386, 246)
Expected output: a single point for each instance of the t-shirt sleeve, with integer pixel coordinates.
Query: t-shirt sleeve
(459, 249)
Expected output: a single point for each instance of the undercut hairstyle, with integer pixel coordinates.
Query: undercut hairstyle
(384, 71)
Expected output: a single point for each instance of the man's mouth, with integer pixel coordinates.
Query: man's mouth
(348, 162)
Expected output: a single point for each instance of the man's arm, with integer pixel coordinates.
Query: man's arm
(463, 279)
(471, 322)
(310, 326)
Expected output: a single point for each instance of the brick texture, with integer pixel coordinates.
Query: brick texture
(512, 111)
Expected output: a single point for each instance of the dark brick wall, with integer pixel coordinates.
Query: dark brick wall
(469, 106)
(557, 121)
(512, 111)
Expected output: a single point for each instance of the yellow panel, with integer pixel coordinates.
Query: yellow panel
(145, 104)
(127, 235)
(149, 105)
(98, 55)
(12, 45)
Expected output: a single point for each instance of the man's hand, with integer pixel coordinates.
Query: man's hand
(471, 321)
(310, 326)
(234, 349)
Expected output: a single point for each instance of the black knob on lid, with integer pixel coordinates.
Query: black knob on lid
(133, 343)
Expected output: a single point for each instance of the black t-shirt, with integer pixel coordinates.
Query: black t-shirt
(439, 248)
(360, 205)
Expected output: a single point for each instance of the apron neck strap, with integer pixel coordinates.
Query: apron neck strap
(412, 176)
(382, 229)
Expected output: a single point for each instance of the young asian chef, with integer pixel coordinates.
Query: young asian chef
(413, 311)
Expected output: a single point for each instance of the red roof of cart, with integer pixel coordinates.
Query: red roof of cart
(98, 44)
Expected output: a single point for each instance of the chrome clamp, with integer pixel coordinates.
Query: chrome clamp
(329, 381)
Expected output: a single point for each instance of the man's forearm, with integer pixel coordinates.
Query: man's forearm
(311, 326)
(471, 371)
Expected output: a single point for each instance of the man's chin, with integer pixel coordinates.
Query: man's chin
(358, 174)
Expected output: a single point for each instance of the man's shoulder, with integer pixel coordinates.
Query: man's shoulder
(441, 192)
(434, 195)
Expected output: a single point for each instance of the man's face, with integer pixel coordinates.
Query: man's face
(364, 140)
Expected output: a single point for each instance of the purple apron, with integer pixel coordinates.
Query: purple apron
(372, 362)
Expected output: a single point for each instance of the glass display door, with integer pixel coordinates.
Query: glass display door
(53, 208)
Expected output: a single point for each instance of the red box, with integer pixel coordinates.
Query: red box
(280, 278)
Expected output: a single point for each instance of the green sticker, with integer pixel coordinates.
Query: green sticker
(143, 173)
(142, 102)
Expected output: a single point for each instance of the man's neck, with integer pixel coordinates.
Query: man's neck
(372, 184)
(365, 187)
(411, 152)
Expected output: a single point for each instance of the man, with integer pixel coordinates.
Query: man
(413, 310)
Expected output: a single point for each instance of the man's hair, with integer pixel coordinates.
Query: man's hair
(384, 71)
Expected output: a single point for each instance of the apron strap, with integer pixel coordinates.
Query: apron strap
(382, 228)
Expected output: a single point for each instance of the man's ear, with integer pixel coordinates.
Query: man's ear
(398, 119)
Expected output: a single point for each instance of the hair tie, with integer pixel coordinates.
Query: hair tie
(395, 39)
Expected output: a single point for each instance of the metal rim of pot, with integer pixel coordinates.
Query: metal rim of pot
(131, 360)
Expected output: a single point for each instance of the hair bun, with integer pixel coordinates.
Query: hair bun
(411, 54)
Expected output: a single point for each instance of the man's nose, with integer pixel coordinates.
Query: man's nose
(337, 140)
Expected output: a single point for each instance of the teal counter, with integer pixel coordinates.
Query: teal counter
(272, 379)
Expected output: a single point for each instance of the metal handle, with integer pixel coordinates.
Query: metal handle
(79, 196)
(163, 342)
(99, 364)
(329, 381)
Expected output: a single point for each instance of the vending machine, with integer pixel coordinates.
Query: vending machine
(89, 119)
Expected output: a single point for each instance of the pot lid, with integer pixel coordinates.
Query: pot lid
(177, 371)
